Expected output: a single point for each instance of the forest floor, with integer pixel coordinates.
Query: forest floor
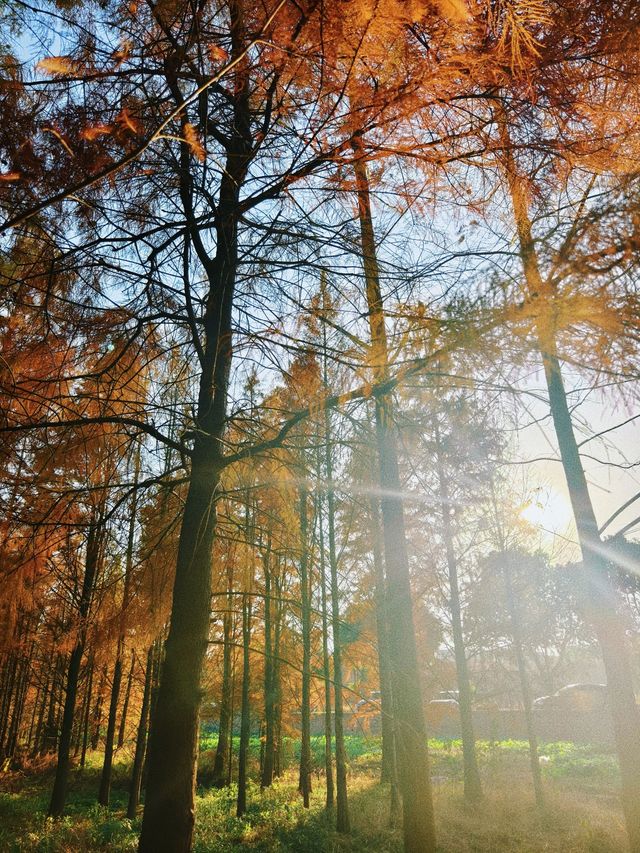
(582, 811)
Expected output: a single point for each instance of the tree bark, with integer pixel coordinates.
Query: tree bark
(277, 687)
(22, 685)
(597, 592)
(96, 718)
(37, 734)
(59, 792)
(525, 688)
(305, 615)
(472, 783)
(173, 743)
(266, 778)
(141, 738)
(86, 715)
(342, 812)
(245, 712)
(388, 769)
(411, 742)
(105, 777)
(326, 662)
(169, 813)
(107, 765)
(599, 602)
(224, 722)
(125, 705)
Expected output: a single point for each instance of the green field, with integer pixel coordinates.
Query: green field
(582, 812)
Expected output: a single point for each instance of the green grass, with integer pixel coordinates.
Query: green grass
(582, 815)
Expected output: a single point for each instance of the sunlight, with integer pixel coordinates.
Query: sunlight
(547, 510)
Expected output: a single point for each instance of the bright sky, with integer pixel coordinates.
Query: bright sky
(610, 484)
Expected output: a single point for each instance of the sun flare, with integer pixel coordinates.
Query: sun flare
(547, 510)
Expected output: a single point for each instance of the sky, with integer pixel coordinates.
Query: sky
(610, 485)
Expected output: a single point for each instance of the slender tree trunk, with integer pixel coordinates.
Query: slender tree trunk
(37, 735)
(261, 734)
(224, 723)
(125, 704)
(229, 778)
(86, 716)
(342, 810)
(83, 710)
(326, 662)
(599, 602)
(266, 777)
(158, 658)
(525, 688)
(6, 700)
(388, 771)
(105, 776)
(96, 719)
(411, 742)
(245, 713)
(59, 793)
(141, 737)
(472, 783)
(107, 766)
(305, 614)
(597, 592)
(50, 737)
(22, 685)
(38, 714)
(277, 687)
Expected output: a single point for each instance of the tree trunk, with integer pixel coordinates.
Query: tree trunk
(168, 820)
(266, 777)
(105, 776)
(245, 712)
(305, 615)
(597, 593)
(173, 743)
(96, 719)
(411, 742)
(326, 662)
(599, 602)
(59, 792)
(342, 811)
(141, 738)
(8, 692)
(472, 783)
(22, 685)
(86, 716)
(37, 734)
(388, 770)
(107, 766)
(224, 723)
(525, 689)
(125, 704)
(277, 687)
(50, 736)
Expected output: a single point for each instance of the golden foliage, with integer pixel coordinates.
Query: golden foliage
(55, 65)
(192, 139)
(454, 10)
(128, 122)
(216, 53)
(514, 22)
(96, 130)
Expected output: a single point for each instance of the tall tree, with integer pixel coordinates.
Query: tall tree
(411, 739)
(599, 595)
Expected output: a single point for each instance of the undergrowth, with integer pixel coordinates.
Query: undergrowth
(582, 813)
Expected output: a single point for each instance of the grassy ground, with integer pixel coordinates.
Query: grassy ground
(582, 813)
